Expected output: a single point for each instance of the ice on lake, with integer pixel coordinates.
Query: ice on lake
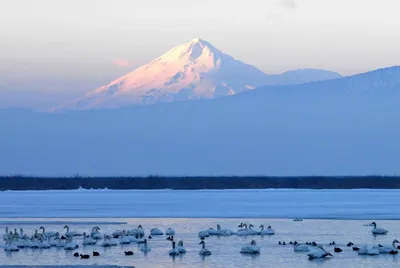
(329, 215)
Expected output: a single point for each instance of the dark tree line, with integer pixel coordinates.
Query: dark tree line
(195, 183)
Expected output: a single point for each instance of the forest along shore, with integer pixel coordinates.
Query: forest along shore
(197, 183)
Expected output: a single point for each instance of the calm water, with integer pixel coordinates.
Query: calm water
(225, 250)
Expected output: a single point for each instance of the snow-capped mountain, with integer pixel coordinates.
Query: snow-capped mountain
(195, 70)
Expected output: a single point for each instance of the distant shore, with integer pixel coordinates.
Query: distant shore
(198, 183)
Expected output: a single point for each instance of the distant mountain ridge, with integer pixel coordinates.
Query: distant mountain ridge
(195, 70)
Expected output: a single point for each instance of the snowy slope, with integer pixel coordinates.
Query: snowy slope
(346, 126)
(195, 70)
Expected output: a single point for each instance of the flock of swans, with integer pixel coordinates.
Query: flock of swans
(43, 239)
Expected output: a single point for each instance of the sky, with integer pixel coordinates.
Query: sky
(73, 46)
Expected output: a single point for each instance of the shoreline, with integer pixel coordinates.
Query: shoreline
(26, 183)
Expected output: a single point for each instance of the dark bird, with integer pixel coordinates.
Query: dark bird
(393, 252)
(398, 247)
(150, 237)
(85, 256)
(291, 243)
(337, 250)
(128, 253)
(279, 243)
(95, 253)
(356, 248)
(76, 254)
(350, 244)
(314, 244)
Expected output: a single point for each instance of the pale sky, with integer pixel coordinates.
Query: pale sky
(86, 43)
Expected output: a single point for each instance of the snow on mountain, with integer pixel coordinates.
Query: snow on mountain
(346, 126)
(195, 70)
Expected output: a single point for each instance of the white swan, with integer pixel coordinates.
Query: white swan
(47, 234)
(71, 244)
(242, 232)
(181, 248)
(138, 231)
(392, 249)
(204, 251)
(170, 231)
(106, 241)
(144, 247)
(156, 231)
(54, 240)
(219, 231)
(318, 252)
(174, 251)
(117, 233)
(368, 250)
(43, 242)
(71, 233)
(268, 231)
(10, 246)
(61, 242)
(124, 239)
(6, 235)
(204, 234)
(95, 234)
(302, 247)
(251, 249)
(88, 240)
(378, 231)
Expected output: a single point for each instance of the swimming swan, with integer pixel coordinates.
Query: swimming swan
(251, 249)
(318, 252)
(204, 251)
(268, 231)
(378, 231)
(392, 249)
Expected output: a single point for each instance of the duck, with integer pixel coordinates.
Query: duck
(128, 253)
(318, 252)
(337, 250)
(144, 247)
(204, 251)
(268, 231)
(85, 256)
(377, 231)
(356, 248)
(76, 254)
(47, 234)
(170, 231)
(69, 233)
(71, 244)
(96, 254)
(389, 249)
(88, 240)
(95, 234)
(181, 248)
(251, 249)
(368, 250)
(156, 231)
(170, 238)
(350, 244)
(174, 251)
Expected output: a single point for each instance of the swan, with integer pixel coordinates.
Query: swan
(95, 234)
(5, 236)
(318, 252)
(368, 250)
(144, 247)
(88, 240)
(44, 243)
(106, 242)
(136, 239)
(392, 249)
(242, 232)
(124, 239)
(302, 247)
(10, 246)
(377, 231)
(138, 231)
(174, 251)
(219, 231)
(251, 231)
(16, 235)
(156, 231)
(181, 248)
(170, 231)
(54, 240)
(61, 242)
(23, 236)
(204, 251)
(117, 233)
(47, 234)
(71, 233)
(204, 234)
(71, 244)
(268, 231)
(251, 249)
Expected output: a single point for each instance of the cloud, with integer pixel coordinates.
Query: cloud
(288, 4)
(121, 63)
